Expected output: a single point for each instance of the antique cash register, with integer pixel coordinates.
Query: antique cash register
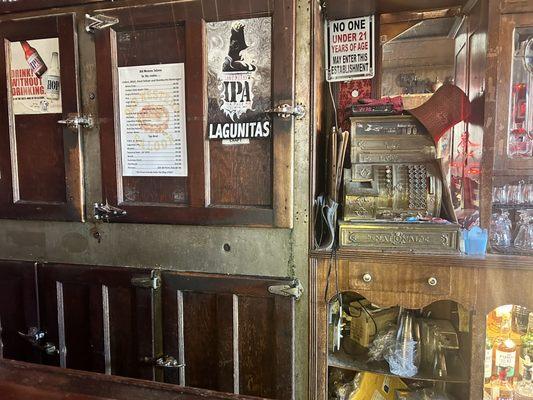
(393, 192)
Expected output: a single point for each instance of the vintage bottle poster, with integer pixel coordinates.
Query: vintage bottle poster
(239, 80)
(152, 120)
(34, 73)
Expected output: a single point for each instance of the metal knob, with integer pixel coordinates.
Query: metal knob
(432, 281)
(367, 278)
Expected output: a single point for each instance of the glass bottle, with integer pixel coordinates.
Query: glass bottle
(52, 84)
(524, 388)
(505, 353)
(36, 63)
(527, 346)
(502, 388)
(488, 360)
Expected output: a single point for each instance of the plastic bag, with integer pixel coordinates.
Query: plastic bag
(383, 341)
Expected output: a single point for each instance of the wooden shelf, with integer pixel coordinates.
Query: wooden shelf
(457, 372)
(518, 262)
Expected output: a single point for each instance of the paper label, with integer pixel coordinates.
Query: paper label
(506, 360)
(488, 363)
(34, 76)
(152, 120)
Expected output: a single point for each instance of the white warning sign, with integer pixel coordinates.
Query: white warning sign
(350, 51)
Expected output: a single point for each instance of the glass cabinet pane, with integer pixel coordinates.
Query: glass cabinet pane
(509, 354)
(520, 130)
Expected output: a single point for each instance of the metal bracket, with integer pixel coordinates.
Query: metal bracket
(163, 362)
(104, 212)
(99, 22)
(294, 289)
(286, 111)
(152, 282)
(75, 121)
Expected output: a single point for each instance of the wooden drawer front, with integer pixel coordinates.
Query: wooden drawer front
(400, 278)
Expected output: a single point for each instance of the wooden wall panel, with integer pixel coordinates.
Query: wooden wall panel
(98, 320)
(28, 5)
(232, 334)
(18, 310)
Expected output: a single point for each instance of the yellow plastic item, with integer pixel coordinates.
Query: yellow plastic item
(377, 387)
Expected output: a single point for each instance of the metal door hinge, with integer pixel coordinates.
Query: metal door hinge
(294, 289)
(105, 212)
(75, 121)
(286, 111)
(99, 22)
(151, 282)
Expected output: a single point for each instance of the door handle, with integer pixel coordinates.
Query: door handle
(36, 337)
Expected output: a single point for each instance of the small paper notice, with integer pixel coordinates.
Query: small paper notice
(152, 120)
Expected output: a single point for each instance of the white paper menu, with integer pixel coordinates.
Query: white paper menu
(152, 120)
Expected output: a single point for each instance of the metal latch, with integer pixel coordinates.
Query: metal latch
(105, 211)
(36, 338)
(294, 289)
(75, 121)
(152, 282)
(286, 111)
(99, 22)
(163, 362)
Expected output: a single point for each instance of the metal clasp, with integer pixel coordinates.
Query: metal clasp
(105, 211)
(75, 121)
(163, 362)
(36, 337)
(294, 289)
(151, 282)
(286, 111)
(99, 22)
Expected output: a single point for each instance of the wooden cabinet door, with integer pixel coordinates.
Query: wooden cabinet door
(231, 334)
(40, 163)
(18, 310)
(97, 319)
(27, 5)
(243, 184)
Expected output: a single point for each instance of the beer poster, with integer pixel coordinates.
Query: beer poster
(239, 80)
(35, 76)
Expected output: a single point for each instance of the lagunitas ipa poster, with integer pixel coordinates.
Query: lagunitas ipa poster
(34, 76)
(239, 80)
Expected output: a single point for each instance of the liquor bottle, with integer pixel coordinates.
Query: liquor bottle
(505, 353)
(524, 388)
(502, 388)
(36, 63)
(52, 84)
(488, 360)
(527, 345)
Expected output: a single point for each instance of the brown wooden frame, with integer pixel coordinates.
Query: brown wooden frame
(199, 211)
(61, 26)
(81, 385)
(29, 5)
(246, 333)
